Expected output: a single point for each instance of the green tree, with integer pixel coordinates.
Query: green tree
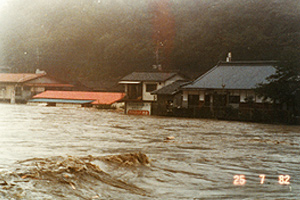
(283, 85)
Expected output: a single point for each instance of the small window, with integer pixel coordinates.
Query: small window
(234, 99)
(150, 87)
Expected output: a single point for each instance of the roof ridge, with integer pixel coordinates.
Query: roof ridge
(34, 76)
(248, 62)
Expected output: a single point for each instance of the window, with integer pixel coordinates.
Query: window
(234, 99)
(150, 87)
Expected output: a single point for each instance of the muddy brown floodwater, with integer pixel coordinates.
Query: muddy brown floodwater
(79, 153)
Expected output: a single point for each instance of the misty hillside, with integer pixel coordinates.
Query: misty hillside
(106, 39)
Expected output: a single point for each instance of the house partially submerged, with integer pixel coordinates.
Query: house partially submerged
(138, 88)
(227, 85)
(78, 98)
(168, 98)
(19, 87)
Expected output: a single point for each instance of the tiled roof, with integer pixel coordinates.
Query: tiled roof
(171, 88)
(18, 78)
(234, 75)
(98, 97)
(149, 76)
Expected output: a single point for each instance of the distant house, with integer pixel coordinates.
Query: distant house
(77, 98)
(168, 98)
(138, 88)
(21, 87)
(228, 84)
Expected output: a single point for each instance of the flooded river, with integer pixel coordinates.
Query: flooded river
(66, 153)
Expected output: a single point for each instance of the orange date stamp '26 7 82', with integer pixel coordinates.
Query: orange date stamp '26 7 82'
(241, 179)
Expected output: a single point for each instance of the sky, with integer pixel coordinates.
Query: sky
(2, 2)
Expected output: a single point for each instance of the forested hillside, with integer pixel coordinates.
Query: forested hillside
(101, 39)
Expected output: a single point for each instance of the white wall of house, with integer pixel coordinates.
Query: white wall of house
(147, 96)
(201, 95)
(6, 91)
(185, 99)
(243, 96)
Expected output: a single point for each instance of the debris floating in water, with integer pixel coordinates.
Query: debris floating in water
(131, 159)
(71, 175)
(170, 138)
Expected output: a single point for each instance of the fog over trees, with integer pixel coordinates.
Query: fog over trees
(106, 39)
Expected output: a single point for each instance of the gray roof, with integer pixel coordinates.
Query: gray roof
(170, 89)
(234, 75)
(148, 76)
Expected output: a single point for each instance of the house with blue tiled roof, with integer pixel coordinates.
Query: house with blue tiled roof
(228, 84)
